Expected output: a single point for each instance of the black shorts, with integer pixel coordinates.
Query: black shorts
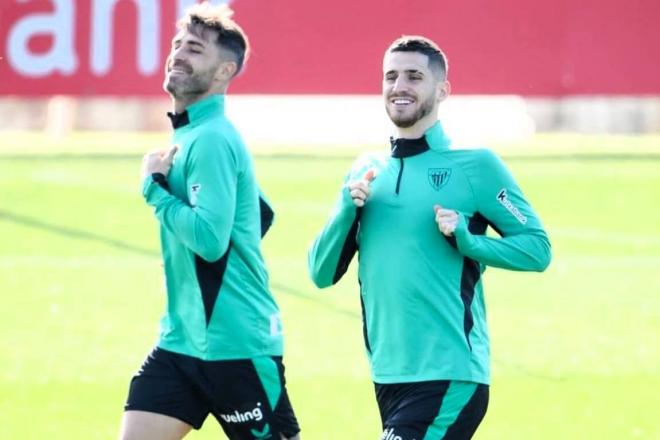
(247, 396)
(433, 410)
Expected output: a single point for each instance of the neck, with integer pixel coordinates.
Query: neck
(418, 129)
(181, 103)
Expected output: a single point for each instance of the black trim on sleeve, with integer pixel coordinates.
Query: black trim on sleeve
(451, 240)
(478, 223)
(161, 180)
(495, 228)
(209, 278)
(266, 215)
(348, 250)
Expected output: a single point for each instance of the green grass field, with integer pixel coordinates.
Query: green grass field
(575, 350)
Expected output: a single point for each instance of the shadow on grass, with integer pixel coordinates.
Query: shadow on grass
(72, 233)
(78, 234)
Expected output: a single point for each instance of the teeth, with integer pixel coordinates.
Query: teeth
(402, 101)
(180, 69)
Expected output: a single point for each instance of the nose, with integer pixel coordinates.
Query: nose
(399, 84)
(177, 54)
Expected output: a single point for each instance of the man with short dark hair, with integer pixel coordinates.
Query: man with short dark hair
(220, 345)
(418, 217)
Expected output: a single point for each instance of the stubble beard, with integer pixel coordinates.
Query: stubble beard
(190, 86)
(405, 122)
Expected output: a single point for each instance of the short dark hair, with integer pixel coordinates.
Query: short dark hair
(202, 17)
(416, 43)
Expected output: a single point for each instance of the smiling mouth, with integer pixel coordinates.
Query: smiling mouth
(179, 69)
(402, 100)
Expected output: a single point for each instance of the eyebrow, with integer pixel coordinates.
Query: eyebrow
(189, 42)
(409, 71)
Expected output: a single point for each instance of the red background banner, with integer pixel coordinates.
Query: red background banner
(550, 48)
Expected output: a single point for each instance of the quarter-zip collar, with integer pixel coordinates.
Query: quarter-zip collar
(434, 138)
(198, 112)
(408, 147)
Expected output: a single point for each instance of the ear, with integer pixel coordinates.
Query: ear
(443, 89)
(226, 71)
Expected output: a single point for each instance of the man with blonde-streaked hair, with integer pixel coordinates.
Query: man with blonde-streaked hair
(220, 346)
(417, 215)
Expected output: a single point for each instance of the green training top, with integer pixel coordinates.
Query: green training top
(421, 293)
(218, 302)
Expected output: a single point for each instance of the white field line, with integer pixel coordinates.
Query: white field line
(599, 236)
(607, 262)
(74, 262)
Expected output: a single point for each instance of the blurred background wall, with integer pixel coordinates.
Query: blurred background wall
(516, 67)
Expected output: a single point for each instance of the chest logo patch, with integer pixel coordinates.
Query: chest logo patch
(438, 177)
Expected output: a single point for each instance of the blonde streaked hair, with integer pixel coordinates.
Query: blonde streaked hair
(204, 17)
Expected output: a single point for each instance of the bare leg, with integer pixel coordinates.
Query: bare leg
(143, 425)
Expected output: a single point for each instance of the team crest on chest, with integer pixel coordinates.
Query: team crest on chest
(438, 177)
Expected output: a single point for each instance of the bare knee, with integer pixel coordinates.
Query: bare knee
(143, 425)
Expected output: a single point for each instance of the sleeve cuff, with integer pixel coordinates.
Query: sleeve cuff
(152, 189)
(464, 237)
(346, 204)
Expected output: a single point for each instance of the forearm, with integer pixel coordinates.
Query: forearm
(333, 249)
(192, 226)
(523, 252)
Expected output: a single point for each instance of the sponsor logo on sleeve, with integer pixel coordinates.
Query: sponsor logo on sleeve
(504, 200)
(194, 191)
(276, 325)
